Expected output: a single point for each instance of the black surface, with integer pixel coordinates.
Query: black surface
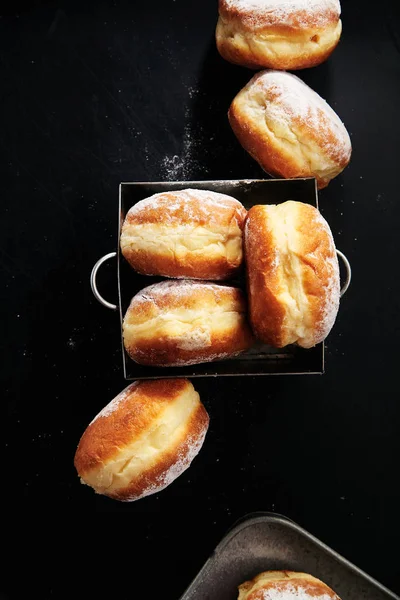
(94, 93)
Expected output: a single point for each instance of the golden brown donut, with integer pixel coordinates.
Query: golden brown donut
(289, 129)
(278, 34)
(187, 233)
(285, 585)
(292, 274)
(143, 439)
(176, 323)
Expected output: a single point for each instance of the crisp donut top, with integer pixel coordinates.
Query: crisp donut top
(189, 206)
(289, 13)
(188, 293)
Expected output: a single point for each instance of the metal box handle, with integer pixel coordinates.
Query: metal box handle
(346, 284)
(99, 297)
(93, 282)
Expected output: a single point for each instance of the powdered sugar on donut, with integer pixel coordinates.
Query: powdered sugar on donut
(288, 98)
(332, 299)
(290, 592)
(188, 206)
(332, 288)
(180, 289)
(331, 306)
(294, 13)
(116, 402)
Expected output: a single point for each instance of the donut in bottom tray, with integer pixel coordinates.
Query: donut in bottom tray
(285, 585)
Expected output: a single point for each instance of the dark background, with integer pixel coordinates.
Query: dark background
(95, 93)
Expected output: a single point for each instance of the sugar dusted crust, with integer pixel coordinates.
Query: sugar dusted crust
(292, 274)
(202, 207)
(185, 234)
(186, 322)
(289, 129)
(143, 440)
(285, 585)
(285, 13)
(276, 34)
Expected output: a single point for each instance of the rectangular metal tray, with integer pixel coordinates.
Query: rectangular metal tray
(261, 359)
(265, 542)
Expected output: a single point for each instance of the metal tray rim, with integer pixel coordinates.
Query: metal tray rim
(244, 180)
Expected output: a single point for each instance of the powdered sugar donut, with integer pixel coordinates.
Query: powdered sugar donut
(292, 274)
(143, 439)
(176, 323)
(185, 233)
(285, 585)
(289, 129)
(278, 34)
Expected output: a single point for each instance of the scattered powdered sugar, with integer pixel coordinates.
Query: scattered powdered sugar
(115, 403)
(257, 13)
(287, 96)
(289, 592)
(188, 164)
(184, 166)
(175, 168)
(188, 206)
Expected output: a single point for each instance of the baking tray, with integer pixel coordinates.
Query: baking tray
(259, 360)
(265, 542)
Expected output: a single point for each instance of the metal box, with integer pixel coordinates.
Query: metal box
(259, 360)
